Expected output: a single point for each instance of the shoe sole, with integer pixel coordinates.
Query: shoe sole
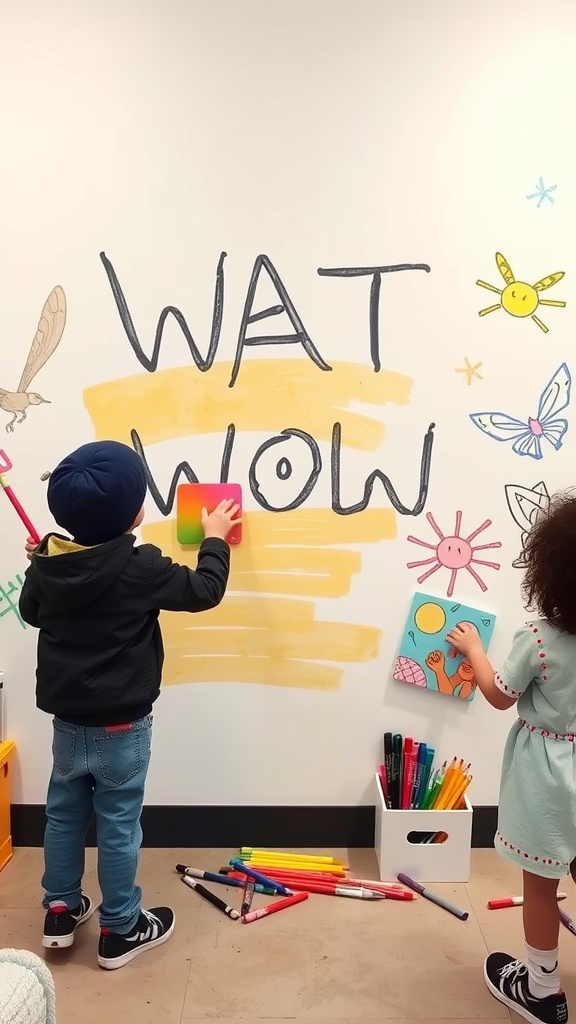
(510, 1003)
(65, 941)
(126, 958)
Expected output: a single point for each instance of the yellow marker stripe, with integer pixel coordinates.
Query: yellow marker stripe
(270, 394)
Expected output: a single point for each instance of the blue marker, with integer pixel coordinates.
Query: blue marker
(246, 870)
(426, 772)
(209, 876)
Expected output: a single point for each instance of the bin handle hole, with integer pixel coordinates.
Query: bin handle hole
(426, 838)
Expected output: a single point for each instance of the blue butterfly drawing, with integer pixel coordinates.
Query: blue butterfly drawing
(527, 435)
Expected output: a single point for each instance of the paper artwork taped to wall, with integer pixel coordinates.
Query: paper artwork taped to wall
(426, 659)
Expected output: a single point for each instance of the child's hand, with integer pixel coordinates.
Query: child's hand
(221, 520)
(465, 638)
(31, 546)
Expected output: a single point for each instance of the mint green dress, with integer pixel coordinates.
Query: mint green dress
(537, 809)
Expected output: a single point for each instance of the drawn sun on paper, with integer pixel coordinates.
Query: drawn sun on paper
(454, 552)
(518, 298)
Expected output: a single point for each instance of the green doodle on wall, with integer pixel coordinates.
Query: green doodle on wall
(7, 604)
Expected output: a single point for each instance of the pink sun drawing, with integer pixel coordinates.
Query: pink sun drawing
(454, 552)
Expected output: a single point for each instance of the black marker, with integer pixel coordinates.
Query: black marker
(210, 897)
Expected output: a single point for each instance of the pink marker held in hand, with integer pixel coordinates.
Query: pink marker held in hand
(5, 465)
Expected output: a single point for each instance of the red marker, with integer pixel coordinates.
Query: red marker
(408, 770)
(273, 908)
(514, 901)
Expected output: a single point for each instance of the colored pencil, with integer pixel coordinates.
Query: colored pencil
(459, 793)
(273, 908)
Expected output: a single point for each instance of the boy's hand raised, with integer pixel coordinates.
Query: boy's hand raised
(31, 546)
(219, 522)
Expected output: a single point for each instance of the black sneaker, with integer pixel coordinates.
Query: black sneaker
(154, 927)
(507, 979)
(61, 923)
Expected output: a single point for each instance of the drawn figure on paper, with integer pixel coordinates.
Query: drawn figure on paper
(527, 435)
(526, 505)
(518, 298)
(46, 340)
(454, 552)
(463, 677)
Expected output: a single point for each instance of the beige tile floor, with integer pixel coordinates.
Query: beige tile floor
(331, 961)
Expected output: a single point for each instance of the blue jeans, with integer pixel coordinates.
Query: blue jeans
(101, 771)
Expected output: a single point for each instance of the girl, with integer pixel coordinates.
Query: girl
(537, 808)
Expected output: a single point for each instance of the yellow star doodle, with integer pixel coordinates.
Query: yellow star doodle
(470, 371)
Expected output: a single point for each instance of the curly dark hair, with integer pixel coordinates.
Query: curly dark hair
(549, 584)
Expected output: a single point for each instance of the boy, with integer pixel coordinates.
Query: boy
(96, 601)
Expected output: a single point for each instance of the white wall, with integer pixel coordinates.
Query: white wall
(322, 134)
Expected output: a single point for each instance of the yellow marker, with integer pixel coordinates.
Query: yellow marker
(289, 856)
(330, 869)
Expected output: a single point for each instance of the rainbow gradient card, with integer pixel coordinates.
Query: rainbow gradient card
(192, 498)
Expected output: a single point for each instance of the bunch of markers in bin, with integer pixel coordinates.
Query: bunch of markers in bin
(290, 875)
(409, 782)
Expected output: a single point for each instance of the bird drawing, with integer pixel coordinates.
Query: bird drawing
(46, 340)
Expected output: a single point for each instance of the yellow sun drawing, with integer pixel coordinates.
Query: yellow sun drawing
(519, 298)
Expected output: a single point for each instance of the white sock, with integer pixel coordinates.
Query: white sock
(543, 973)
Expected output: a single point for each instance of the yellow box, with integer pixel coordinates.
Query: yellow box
(7, 750)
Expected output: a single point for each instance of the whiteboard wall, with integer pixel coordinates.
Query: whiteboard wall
(311, 143)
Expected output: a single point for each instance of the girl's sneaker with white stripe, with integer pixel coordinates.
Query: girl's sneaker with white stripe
(507, 979)
(153, 928)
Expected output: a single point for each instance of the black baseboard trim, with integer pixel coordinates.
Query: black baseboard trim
(203, 827)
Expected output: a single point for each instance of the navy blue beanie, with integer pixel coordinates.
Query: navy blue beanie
(96, 493)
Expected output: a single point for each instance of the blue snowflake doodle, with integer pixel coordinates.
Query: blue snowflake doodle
(542, 193)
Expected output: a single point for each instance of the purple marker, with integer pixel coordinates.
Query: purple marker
(411, 884)
(567, 922)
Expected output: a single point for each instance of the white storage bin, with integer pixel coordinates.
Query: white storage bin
(440, 862)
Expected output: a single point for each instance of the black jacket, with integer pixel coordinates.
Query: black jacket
(100, 650)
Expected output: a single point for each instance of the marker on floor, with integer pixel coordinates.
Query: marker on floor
(514, 901)
(462, 915)
(273, 908)
(210, 897)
